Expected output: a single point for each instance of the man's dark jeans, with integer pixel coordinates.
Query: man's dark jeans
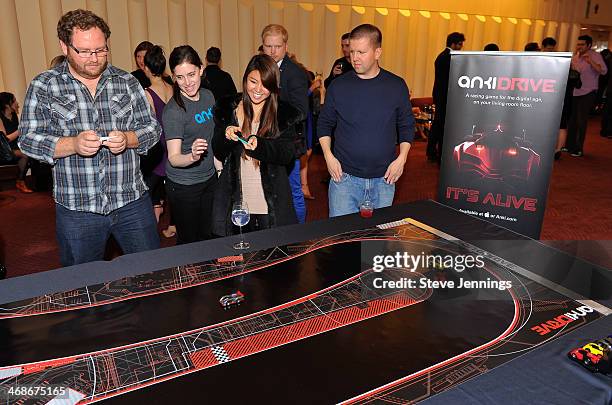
(82, 236)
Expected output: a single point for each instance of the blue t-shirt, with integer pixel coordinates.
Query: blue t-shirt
(367, 118)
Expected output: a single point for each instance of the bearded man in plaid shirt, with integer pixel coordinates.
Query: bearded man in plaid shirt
(91, 121)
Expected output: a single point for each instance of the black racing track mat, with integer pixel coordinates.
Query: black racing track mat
(311, 330)
(69, 333)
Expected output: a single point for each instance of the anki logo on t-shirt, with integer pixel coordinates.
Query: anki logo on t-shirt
(204, 116)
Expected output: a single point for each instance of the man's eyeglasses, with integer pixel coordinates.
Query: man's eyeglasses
(86, 53)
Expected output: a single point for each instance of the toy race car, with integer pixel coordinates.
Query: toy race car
(497, 154)
(594, 356)
(594, 348)
(231, 299)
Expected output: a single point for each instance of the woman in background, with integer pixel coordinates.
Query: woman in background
(153, 165)
(191, 178)
(256, 172)
(9, 113)
(139, 54)
(314, 107)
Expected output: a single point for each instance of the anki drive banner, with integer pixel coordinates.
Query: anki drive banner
(502, 122)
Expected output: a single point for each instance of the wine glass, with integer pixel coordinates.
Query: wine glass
(241, 217)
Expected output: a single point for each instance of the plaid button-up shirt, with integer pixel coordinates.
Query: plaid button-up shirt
(58, 105)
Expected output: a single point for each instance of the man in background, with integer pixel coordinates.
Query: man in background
(343, 64)
(293, 90)
(590, 64)
(218, 81)
(454, 42)
(532, 47)
(549, 44)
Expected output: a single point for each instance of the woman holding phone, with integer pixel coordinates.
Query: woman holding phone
(191, 177)
(254, 135)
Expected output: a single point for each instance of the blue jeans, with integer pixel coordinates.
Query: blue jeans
(82, 236)
(296, 191)
(346, 195)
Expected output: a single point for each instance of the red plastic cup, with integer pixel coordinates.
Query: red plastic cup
(366, 209)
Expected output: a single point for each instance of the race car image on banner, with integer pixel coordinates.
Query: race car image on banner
(495, 153)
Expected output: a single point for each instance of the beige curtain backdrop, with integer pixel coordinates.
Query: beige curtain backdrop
(413, 31)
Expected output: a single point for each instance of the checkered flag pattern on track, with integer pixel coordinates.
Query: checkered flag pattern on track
(220, 354)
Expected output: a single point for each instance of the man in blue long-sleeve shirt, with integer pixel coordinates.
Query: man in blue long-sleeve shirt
(370, 111)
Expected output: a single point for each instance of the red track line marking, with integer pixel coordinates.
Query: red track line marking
(162, 291)
(370, 395)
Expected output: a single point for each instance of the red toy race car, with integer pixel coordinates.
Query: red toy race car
(594, 356)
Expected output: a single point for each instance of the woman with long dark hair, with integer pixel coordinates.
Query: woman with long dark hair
(191, 177)
(9, 113)
(255, 171)
(153, 165)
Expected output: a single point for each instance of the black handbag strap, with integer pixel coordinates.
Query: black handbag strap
(6, 152)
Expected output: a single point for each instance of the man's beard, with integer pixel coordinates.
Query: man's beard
(87, 74)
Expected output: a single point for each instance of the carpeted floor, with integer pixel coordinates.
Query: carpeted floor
(579, 206)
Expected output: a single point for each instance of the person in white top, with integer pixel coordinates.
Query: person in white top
(254, 138)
